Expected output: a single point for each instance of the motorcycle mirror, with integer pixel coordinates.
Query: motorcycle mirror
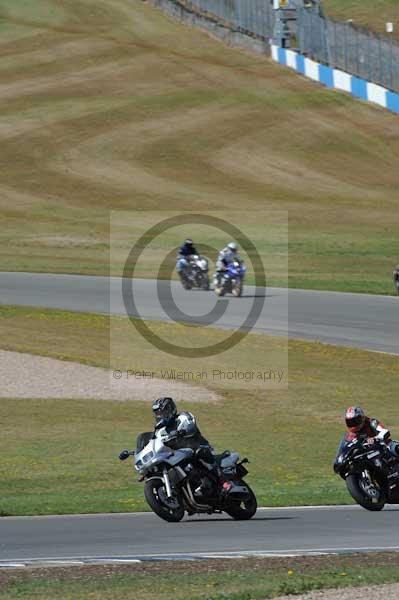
(124, 455)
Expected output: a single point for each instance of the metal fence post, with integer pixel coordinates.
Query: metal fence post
(369, 56)
(390, 62)
(335, 44)
(310, 48)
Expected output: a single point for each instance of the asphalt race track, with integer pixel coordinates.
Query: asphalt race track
(357, 320)
(143, 536)
(362, 321)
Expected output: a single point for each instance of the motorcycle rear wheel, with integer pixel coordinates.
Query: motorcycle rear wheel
(242, 510)
(172, 514)
(358, 494)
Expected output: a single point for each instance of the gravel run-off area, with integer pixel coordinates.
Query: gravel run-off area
(30, 376)
(378, 592)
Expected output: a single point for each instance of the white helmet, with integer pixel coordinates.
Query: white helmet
(232, 246)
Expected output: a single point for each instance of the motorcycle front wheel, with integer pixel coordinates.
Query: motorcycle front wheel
(242, 510)
(359, 494)
(171, 510)
(237, 290)
(186, 283)
(205, 283)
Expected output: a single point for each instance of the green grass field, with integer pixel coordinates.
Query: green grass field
(290, 435)
(248, 579)
(110, 105)
(372, 14)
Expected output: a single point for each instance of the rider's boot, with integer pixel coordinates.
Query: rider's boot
(217, 278)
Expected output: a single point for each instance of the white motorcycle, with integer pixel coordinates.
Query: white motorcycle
(173, 480)
(195, 275)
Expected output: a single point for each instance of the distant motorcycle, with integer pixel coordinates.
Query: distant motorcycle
(396, 279)
(371, 473)
(195, 275)
(231, 280)
(173, 477)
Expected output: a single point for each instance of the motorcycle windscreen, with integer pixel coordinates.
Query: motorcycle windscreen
(142, 440)
(342, 446)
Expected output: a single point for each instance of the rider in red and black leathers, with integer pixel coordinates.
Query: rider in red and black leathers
(368, 430)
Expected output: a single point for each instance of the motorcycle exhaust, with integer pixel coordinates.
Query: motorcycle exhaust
(190, 499)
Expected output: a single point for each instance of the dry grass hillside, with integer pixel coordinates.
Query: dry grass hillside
(372, 14)
(108, 104)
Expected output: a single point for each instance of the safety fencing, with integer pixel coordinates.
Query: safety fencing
(325, 55)
(339, 45)
(255, 17)
(349, 48)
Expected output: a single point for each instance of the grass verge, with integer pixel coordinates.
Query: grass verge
(109, 105)
(366, 13)
(248, 579)
(60, 456)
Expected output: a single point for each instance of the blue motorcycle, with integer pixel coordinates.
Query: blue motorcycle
(231, 280)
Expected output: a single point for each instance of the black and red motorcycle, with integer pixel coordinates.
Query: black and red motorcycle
(396, 279)
(370, 471)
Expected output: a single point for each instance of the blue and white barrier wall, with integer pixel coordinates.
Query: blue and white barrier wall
(336, 79)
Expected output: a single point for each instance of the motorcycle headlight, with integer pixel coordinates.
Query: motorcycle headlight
(147, 457)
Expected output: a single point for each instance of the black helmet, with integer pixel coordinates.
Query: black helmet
(164, 408)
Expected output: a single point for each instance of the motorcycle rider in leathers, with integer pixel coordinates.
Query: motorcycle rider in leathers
(188, 435)
(362, 427)
(186, 251)
(225, 257)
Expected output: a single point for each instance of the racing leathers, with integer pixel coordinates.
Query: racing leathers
(187, 432)
(371, 431)
(225, 257)
(183, 258)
